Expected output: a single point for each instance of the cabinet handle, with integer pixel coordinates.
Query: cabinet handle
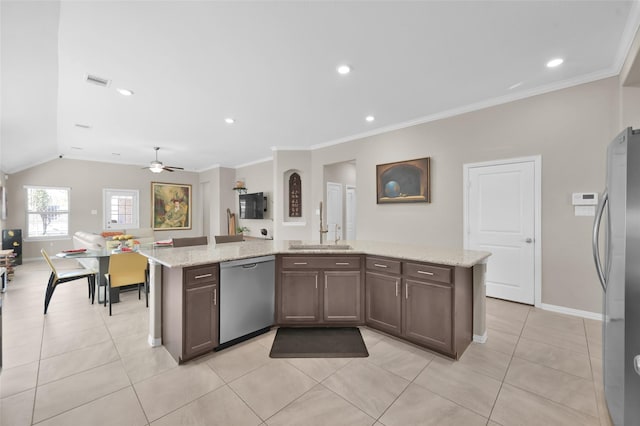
(316, 282)
(380, 266)
(299, 263)
(426, 273)
(406, 291)
(342, 263)
(397, 288)
(215, 296)
(197, 277)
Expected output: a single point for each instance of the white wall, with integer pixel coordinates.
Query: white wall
(87, 179)
(257, 178)
(284, 161)
(218, 181)
(569, 128)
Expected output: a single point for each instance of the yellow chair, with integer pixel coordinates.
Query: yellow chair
(127, 269)
(58, 278)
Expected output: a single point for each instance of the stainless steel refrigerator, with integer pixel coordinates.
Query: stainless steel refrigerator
(619, 274)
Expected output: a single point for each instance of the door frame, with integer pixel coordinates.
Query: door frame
(341, 210)
(537, 183)
(346, 209)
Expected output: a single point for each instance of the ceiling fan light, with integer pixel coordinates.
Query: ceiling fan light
(156, 169)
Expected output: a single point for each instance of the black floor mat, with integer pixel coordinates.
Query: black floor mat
(318, 342)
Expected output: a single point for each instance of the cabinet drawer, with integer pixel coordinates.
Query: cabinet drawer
(428, 272)
(199, 275)
(383, 265)
(321, 262)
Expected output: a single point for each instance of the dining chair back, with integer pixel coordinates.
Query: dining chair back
(228, 238)
(190, 241)
(127, 269)
(58, 278)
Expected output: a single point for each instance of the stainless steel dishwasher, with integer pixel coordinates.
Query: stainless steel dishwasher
(247, 298)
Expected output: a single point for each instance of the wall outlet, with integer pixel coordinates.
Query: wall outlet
(94, 211)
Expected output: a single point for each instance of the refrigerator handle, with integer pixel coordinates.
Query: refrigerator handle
(595, 240)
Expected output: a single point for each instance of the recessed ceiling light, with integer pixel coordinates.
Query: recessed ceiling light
(229, 120)
(125, 92)
(369, 118)
(555, 62)
(515, 86)
(343, 69)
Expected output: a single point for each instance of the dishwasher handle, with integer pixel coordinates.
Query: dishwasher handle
(250, 266)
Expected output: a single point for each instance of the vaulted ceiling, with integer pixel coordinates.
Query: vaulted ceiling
(272, 67)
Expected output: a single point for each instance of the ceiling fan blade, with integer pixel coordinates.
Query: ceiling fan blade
(167, 169)
(174, 167)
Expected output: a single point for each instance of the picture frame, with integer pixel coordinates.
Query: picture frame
(404, 181)
(170, 206)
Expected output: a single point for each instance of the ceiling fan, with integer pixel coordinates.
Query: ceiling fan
(157, 166)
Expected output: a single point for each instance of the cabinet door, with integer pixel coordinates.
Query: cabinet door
(427, 314)
(384, 302)
(299, 301)
(342, 296)
(201, 320)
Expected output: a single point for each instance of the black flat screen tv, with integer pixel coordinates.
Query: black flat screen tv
(252, 206)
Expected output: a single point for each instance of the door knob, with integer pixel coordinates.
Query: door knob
(636, 364)
(528, 240)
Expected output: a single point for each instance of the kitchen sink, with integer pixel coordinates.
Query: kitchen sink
(320, 247)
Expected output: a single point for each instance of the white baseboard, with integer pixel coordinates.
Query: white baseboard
(480, 338)
(153, 342)
(570, 311)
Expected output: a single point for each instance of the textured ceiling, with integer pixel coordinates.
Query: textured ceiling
(272, 67)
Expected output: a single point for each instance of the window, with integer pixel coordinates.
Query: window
(47, 212)
(121, 209)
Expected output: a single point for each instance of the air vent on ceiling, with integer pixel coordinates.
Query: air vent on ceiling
(83, 126)
(97, 80)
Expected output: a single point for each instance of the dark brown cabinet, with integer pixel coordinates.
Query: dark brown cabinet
(190, 310)
(430, 305)
(427, 314)
(342, 296)
(383, 295)
(299, 296)
(320, 290)
(201, 323)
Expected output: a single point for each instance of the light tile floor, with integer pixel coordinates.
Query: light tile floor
(77, 365)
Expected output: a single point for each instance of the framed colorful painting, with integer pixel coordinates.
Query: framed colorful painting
(170, 206)
(403, 182)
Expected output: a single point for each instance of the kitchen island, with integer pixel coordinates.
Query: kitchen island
(168, 265)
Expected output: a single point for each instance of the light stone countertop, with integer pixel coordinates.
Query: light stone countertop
(215, 253)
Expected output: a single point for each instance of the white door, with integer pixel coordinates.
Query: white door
(334, 210)
(501, 219)
(350, 212)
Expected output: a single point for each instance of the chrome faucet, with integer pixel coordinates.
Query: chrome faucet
(323, 230)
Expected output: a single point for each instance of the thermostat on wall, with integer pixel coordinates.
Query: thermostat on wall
(584, 199)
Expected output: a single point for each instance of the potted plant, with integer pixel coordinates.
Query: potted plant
(240, 230)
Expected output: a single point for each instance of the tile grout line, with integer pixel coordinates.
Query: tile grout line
(601, 415)
(508, 367)
(542, 396)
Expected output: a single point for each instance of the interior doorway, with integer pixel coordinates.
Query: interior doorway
(340, 199)
(502, 216)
